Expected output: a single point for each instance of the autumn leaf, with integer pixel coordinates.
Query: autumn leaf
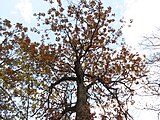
(74, 68)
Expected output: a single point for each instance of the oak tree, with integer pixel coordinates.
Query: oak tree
(85, 66)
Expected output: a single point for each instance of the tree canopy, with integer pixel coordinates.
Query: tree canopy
(86, 66)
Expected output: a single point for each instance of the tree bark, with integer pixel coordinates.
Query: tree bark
(82, 107)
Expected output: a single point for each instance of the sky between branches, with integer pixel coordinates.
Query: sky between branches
(145, 15)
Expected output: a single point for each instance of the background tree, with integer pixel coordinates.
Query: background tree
(85, 66)
(151, 43)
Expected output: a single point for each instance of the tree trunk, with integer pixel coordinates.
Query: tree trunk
(82, 107)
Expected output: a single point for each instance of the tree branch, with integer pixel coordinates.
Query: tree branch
(92, 37)
(62, 80)
(58, 82)
(95, 78)
(10, 98)
(69, 109)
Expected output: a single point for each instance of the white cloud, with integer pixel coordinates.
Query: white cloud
(25, 9)
(145, 15)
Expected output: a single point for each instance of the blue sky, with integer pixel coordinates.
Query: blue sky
(21, 10)
(145, 15)
(144, 12)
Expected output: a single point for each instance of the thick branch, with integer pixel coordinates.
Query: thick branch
(70, 109)
(94, 79)
(1, 117)
(58, 82)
